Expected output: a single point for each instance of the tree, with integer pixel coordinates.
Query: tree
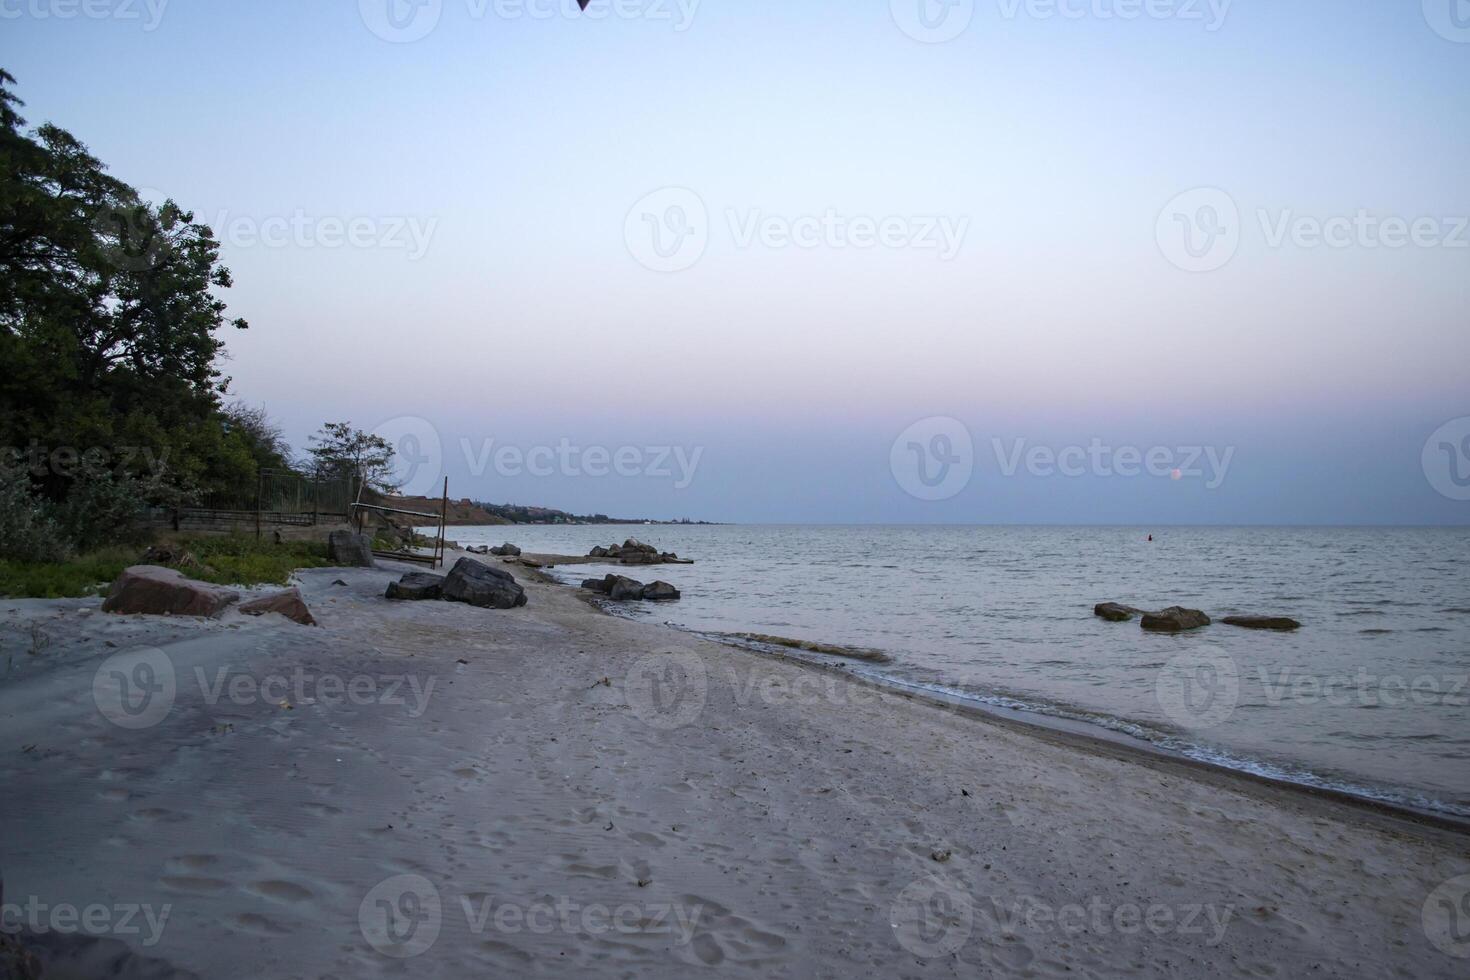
(108, 314)
(253, 430)
(340, 451)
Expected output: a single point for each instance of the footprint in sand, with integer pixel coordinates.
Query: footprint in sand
(280, 891)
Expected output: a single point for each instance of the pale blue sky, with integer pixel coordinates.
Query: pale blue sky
(516, 146)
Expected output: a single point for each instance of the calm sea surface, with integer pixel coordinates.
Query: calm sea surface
(1369, 696)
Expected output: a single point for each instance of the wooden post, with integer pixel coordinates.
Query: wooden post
(443, 518)
(259, 487)
(316, 500)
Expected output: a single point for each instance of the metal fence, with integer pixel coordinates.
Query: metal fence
(278, 498)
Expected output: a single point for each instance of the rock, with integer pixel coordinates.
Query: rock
(288, 603)
(640, 558)
(482, 549)
(615, 551)
(1279, 623)
(417, 587)
(597, 585)
(676, 560)
(506, 550)
(660, 592)
(350, 550)
(1114, 612)
(480, 585)
(633, 544)
(339, 582)
(598, 552)
(152, 590)
(1175, 619)
(622, 589)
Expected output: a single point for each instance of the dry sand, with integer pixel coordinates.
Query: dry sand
(556, 792)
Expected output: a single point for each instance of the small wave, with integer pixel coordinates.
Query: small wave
(1374, 632)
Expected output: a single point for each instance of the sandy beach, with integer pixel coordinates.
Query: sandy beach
(431, 789)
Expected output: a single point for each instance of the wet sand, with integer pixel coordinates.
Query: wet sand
(429, 789)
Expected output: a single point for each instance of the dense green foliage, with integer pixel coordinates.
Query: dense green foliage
(109, 325)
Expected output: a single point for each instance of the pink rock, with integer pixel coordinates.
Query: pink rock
(288, 604)
(153, 591)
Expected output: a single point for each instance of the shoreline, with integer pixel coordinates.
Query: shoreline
(792, 812)
(1083, 731)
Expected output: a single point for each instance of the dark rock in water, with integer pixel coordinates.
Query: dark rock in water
(480, 585)
(288, 603)
(350, 550)
(660, 592)
(1279, 623)
(640, 558)
(417, 587)
(621, 588)
(633, 544)
(615, 551)
(597, 585)
(1175, 619)
(506, 550)
(598, 552)
(1115, 612)
(153, 590)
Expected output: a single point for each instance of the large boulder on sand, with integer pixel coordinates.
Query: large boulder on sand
(349, 550)
(288, 603)
(417, 587)
(1115, 612)
(480, 585)
(622, 589)
(1175, 619)
(597, 584)
(660, 592)
(152, 590)
(1279, 623)
(506, 550)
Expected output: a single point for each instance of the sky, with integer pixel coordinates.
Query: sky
(828, 261)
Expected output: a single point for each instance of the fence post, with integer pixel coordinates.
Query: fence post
(259, 487)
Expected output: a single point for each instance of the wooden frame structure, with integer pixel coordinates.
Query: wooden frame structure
(433, 560)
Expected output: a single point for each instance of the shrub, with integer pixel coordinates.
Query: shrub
(29, 532)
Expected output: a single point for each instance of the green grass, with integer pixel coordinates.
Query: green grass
(221, 560)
